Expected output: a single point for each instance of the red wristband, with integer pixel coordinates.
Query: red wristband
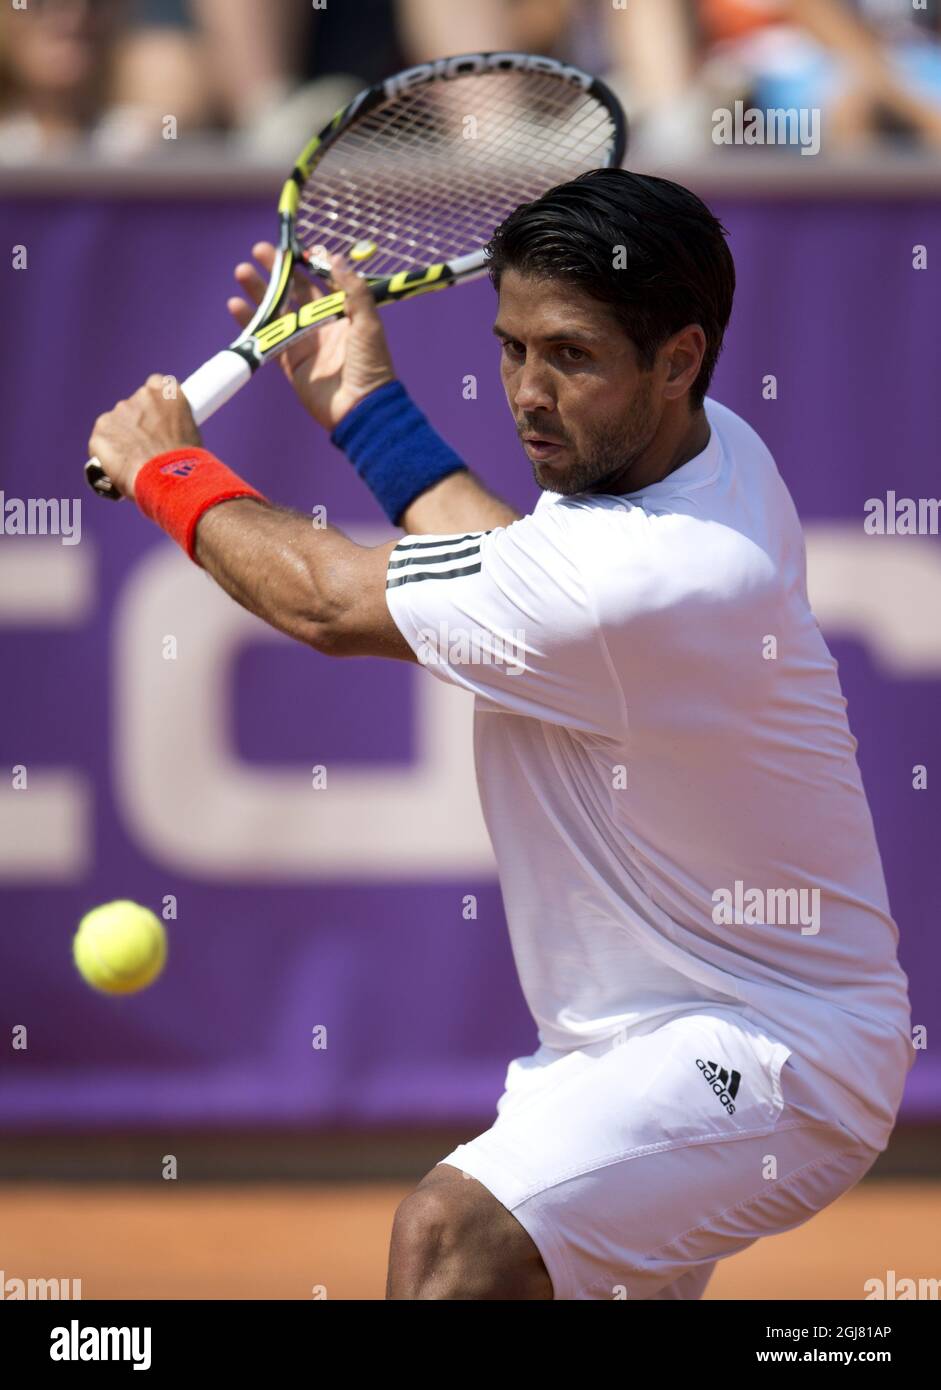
(175, 489)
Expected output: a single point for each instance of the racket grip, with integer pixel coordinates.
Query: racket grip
(208, 389)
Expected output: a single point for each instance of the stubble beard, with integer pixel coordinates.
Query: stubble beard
(609, 452)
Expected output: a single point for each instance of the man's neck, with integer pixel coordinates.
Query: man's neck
(666, 453)
(692, 443)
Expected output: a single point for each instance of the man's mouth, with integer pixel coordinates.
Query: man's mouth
(541, 446)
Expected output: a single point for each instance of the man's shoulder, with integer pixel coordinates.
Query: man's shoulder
(576, 525)
(737, 436)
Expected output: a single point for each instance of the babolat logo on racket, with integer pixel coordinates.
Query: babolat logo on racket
(724, 1083)
(470, 64)
(400, 286)
(180, 468)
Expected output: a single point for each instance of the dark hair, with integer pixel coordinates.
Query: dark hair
(677, 270)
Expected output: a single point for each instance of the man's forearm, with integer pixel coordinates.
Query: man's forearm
(305, 580)
(274, 563)
(310, 582)
(458, 503)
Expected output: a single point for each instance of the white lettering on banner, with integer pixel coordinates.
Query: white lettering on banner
(192, 804)
(883, 590)
(46, 584)
(46, 829)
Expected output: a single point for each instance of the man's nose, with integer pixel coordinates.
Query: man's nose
(533, 391)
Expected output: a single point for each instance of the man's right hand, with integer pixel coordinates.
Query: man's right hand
(335, 366)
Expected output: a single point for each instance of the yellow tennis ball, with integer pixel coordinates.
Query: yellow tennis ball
(120, 947)
(363, 250)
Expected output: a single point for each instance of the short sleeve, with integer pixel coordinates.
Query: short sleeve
(508, 614)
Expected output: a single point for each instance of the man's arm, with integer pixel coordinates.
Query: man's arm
(338, 367)
(458, 503)
(314, 584)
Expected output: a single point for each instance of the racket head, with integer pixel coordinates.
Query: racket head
(410, 180)
(421, 168)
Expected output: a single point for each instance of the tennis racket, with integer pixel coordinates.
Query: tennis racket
(408, 182)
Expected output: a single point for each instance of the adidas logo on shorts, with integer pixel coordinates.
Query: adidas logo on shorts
(724, 1083)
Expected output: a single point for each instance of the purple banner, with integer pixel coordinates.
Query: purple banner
(339, 952)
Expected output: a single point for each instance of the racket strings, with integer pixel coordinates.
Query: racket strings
(428, 177)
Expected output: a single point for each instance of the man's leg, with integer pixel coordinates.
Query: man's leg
(452, 1239)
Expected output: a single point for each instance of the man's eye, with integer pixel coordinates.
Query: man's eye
(575, 354)
(513, 349)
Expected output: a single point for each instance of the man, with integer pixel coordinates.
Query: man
(691, 879)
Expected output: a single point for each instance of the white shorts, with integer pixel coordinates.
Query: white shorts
(637, 1163)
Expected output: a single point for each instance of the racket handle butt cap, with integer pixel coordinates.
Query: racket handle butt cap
(209, 387)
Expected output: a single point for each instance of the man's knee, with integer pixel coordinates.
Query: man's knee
(428, 1235)
(453, 1240)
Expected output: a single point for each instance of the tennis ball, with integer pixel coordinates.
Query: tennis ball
(120, 947)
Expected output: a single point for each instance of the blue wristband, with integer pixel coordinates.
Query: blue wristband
(393, 448)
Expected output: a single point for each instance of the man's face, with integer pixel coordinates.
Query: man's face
(583, 407)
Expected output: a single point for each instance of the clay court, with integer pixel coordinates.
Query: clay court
(291, 1239)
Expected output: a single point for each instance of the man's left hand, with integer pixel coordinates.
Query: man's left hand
(136, 430)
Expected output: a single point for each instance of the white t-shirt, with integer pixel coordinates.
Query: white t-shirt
(666, 768)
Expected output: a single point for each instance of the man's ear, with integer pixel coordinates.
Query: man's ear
(685, 352)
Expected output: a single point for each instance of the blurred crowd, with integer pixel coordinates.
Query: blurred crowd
(120, 79)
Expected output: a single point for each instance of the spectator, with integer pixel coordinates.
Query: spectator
(281, 69)
(102, 75)
(72, 81)
(873, 69)
(161, 71)
(56, 70)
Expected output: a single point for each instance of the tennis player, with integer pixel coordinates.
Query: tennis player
(692, 882)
